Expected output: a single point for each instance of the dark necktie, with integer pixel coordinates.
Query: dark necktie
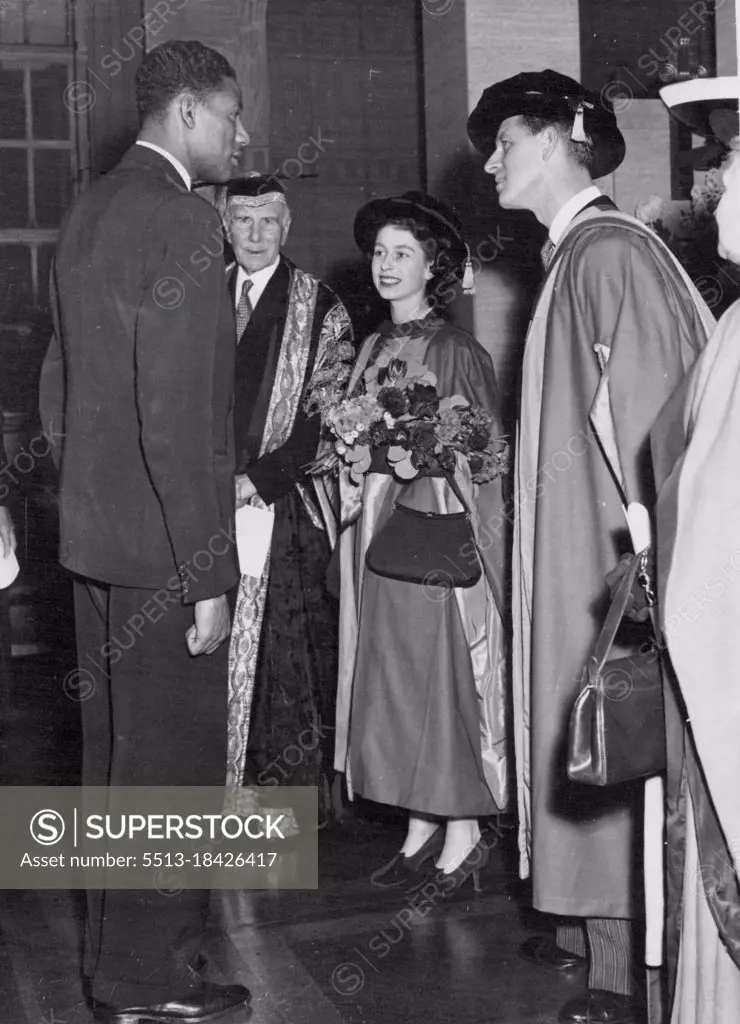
(546, 253)
(243, 309)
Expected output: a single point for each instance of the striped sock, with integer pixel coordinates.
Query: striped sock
(571, 938)
(610, 948)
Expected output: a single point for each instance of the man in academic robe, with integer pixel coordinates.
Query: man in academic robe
(139, 379)
(616, 326)
(283, 663)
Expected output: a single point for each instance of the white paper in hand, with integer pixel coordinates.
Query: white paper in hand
(9, 569)
(253, 537)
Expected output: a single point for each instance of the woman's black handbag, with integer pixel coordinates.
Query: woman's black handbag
(436, 549)
(617, 726)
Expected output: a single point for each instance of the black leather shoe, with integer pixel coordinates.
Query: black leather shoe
(542, 950)
(200, 1007)
(408, 871)
(599, 1007)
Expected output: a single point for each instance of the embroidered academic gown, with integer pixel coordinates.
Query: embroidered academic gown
(616, 326)
(282, 665)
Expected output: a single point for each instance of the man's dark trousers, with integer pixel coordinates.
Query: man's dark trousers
(148, 688)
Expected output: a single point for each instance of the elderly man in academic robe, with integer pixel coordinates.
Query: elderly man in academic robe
(616, 326)
(283, 658)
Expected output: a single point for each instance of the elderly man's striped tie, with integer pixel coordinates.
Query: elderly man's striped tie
(243, 309)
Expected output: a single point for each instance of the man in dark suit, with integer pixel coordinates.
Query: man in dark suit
(141, 373)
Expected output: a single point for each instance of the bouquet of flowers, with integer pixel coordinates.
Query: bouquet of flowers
(682, 223)
(398, 408)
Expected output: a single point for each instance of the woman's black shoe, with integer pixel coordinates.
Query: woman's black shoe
(402, 870)
(452, 881)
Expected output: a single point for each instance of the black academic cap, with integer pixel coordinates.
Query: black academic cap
(548, 94)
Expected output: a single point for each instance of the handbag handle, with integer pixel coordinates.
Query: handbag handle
(615, 614)
(450, 478)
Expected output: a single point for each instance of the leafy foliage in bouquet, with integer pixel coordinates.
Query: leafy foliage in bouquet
(399, 409)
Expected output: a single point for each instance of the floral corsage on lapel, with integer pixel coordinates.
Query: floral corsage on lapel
(397, 407)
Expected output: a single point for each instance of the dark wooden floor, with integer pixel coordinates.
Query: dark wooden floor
(343, 954)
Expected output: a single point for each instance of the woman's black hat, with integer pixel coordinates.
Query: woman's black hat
(548, 94)
(441, 221)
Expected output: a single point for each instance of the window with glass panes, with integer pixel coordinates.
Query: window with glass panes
(38, 162)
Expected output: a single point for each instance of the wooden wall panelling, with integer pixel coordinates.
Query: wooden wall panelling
(345, 94)
(112, 47)
(475, 43)
(236, 28)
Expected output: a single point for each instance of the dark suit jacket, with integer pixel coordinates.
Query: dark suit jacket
(257, 357)
(140, 373)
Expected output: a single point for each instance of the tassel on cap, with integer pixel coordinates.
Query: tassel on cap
(578, 133)
(468, 281)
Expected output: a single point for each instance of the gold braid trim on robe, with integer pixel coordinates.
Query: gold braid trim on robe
(250, 606)
(337, 327)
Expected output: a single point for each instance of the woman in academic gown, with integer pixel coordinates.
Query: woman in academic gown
(420, 717)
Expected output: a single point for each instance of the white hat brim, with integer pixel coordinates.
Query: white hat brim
(706, 105)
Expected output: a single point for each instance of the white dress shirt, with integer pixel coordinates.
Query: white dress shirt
(568, 211)
(172, 159)
(260, 279)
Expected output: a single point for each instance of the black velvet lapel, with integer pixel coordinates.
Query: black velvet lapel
(231, 282)
(257, 358)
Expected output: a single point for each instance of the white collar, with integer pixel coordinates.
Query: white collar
(568, 211)
(172, 159)
(260, 279)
